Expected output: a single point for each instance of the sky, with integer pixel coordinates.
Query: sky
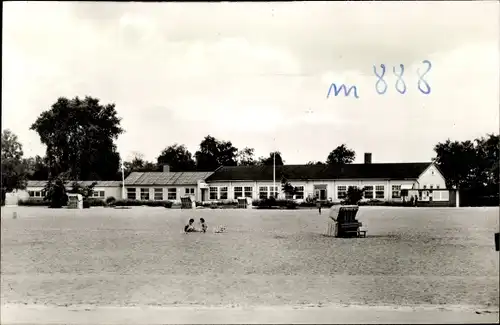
(258, 74)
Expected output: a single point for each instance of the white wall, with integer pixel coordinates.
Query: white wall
(431, 177)
(180, 192)
(114, 191)
(331, 186)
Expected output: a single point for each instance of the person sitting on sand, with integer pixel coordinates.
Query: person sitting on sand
(203, 225)
(190, 227)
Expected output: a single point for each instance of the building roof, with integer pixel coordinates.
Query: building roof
(163, 178)
(389, 171)
(84, 183)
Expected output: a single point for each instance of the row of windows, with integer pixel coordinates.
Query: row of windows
(221, 193)
(432, 187)
(41, 194)
(98, 194)
(371, 192)
(158, 193)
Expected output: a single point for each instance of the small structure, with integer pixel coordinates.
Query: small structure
(11, 199)
(244, 203)
(343, 222)
(187, 202)
(75, 201)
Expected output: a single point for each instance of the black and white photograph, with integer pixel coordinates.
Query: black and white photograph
(312, 162)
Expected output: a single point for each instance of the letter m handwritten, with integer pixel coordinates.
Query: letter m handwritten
(342, 87)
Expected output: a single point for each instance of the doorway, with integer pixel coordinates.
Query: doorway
(320, 192)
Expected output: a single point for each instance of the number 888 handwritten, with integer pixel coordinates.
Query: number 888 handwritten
(381, 85)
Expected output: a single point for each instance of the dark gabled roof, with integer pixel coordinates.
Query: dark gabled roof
(399, 171)
(162, 178)
(83, 183)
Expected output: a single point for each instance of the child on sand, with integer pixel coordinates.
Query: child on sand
(203, 225)
(189, 227)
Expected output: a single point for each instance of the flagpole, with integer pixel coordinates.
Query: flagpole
(274, 171)
(123, 181)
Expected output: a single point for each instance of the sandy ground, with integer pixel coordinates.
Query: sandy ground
(15, 314)
(55, 260)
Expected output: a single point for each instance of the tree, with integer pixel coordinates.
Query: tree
(79, 135)
(55, 192)
(317, 163)
(39, 168)
(138, 164)
(84, 191)
(488, 151)
(245, 157)
(287, 187)
(177, 157)
(15, 169)
(271, 160)
(459, 163)
(341, 155)
(354, 195)
(214, 153)
(472, 167)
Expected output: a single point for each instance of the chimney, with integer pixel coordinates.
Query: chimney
(166, 168)
(368, 158)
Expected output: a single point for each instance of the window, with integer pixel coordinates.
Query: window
(368, 193)
(299, 193)
(263, 192)
(36, 193)
(214, 193)
(341, 192)
(172, 194)
(223, 193)
(396, 191)
(437, 186)
(158, 194)
(189, 191)
(131, 195)
(431, 187)
(425, 186)
(98, 194)
(144, 193)
(238, 192)
(273, 193)
(248, 191)
(379, 192)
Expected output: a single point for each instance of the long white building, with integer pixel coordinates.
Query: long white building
(382, 181)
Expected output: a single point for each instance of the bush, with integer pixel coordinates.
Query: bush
(376, 202)
(110, 200)
(95, 202)
(202, 204)
(274, 203)
(33, 203)
(56, 193)
(135, 203)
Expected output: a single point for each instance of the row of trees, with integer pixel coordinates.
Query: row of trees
(214, 153)
(80, 134)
